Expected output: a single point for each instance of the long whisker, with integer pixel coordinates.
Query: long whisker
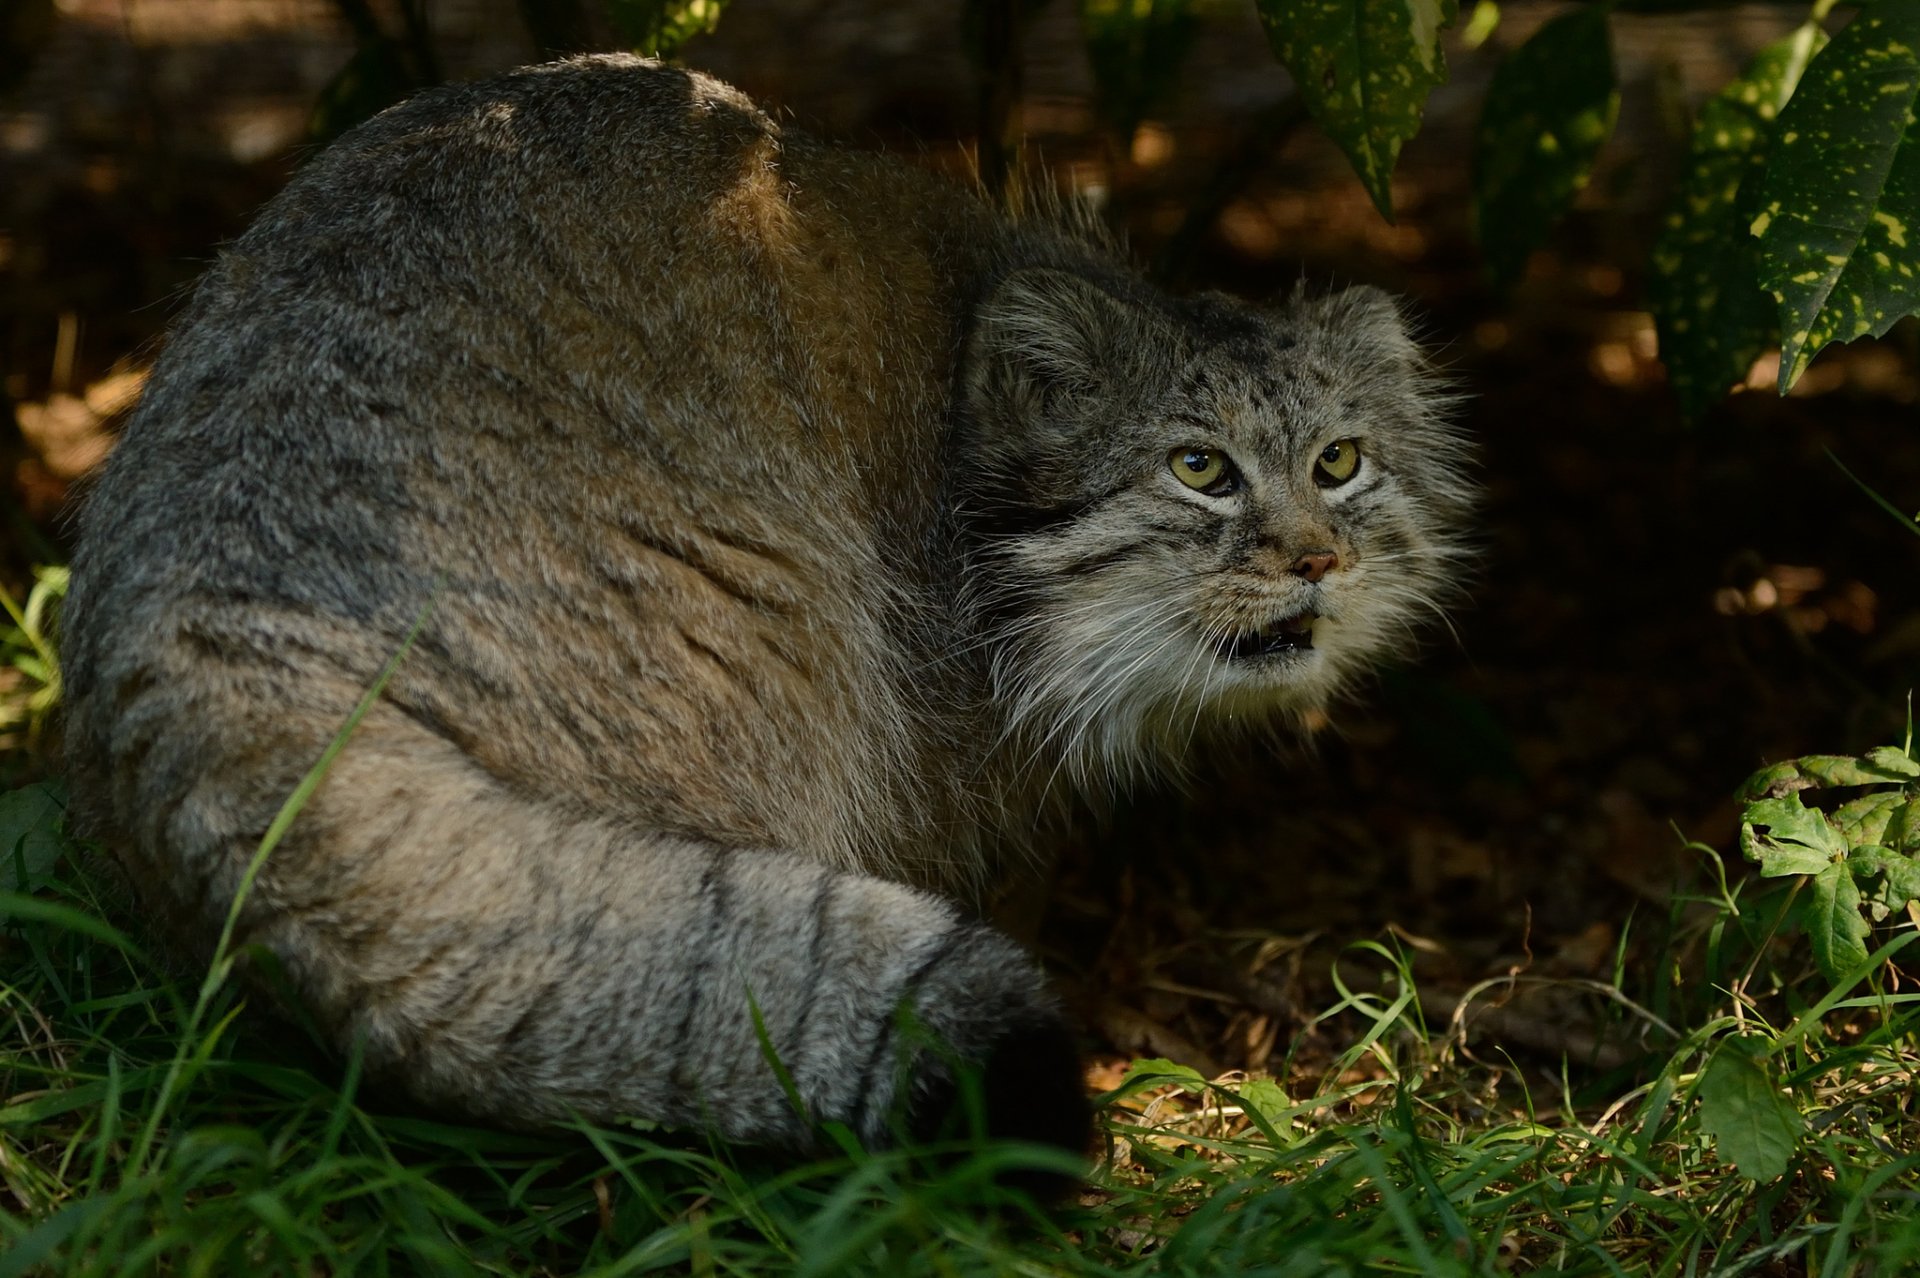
(1098, 694)
(1116, 688)
(1214, 636)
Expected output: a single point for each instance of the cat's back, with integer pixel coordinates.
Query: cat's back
(595, 227)
(643, 391)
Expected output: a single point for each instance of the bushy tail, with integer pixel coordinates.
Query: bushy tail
(504, 956)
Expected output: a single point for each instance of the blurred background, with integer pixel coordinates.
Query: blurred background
(1658, 607)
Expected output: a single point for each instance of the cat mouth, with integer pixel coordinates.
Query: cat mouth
(1291, 633)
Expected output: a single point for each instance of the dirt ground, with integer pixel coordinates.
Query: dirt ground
(1658, 609)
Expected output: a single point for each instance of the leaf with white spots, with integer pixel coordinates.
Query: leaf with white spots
(1364, 69)
(1550, 107)
(1713, 317)
(1839, 212)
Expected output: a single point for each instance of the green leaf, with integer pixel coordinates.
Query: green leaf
(1865, 819)
(30, 843)
(1713, 317)
(1839, 219)
(1784, 836)
(1891, 760)
(1825, 771)
(1266, 1106)
(1155, 1070)
(1364, 68)
(1831, 919)
(1753, 1126)
(1481, 24)
(1135, 48)
(1549, 108)
(659, 27)
(1903, 828)
(1898, 873)
(1264, 1095)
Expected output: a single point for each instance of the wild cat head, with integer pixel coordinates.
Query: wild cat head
(1188, 511)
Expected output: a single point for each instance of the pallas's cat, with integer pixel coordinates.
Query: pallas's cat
(790, 530)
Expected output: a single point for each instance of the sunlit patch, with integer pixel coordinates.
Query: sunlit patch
(1152, 145)
(1802, 595)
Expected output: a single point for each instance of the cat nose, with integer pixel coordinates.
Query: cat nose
(1315, 564)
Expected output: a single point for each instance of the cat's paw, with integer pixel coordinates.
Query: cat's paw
(1003, 1061)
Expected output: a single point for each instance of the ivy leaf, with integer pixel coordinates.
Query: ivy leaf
(1135, 47)
(1550, 106)
(1713, 317)
(1825, 771)
(1364, 68)
(1753, 1126)
(1839, 219)
(1831, 919)
(658, 28)
(1797, 839)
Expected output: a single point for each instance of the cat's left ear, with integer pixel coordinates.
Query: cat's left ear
(1371, 319)
(1045, 333)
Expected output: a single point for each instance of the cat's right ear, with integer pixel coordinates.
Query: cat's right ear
(1043, 334)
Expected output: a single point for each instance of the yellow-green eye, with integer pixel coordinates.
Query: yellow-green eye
(1336, 463)
(1202, 469)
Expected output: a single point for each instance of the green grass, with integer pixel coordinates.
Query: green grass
(153, 1123)
(130, 1145)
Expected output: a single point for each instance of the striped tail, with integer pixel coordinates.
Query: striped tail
(518, 961)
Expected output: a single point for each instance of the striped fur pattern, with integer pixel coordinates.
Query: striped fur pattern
(789, 527)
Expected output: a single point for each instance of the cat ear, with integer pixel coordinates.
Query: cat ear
(1370, 319)
(1044, 332)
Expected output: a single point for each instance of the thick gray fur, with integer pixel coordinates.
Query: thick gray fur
(791, 529)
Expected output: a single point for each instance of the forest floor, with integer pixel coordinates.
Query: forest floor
(1433, 991)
